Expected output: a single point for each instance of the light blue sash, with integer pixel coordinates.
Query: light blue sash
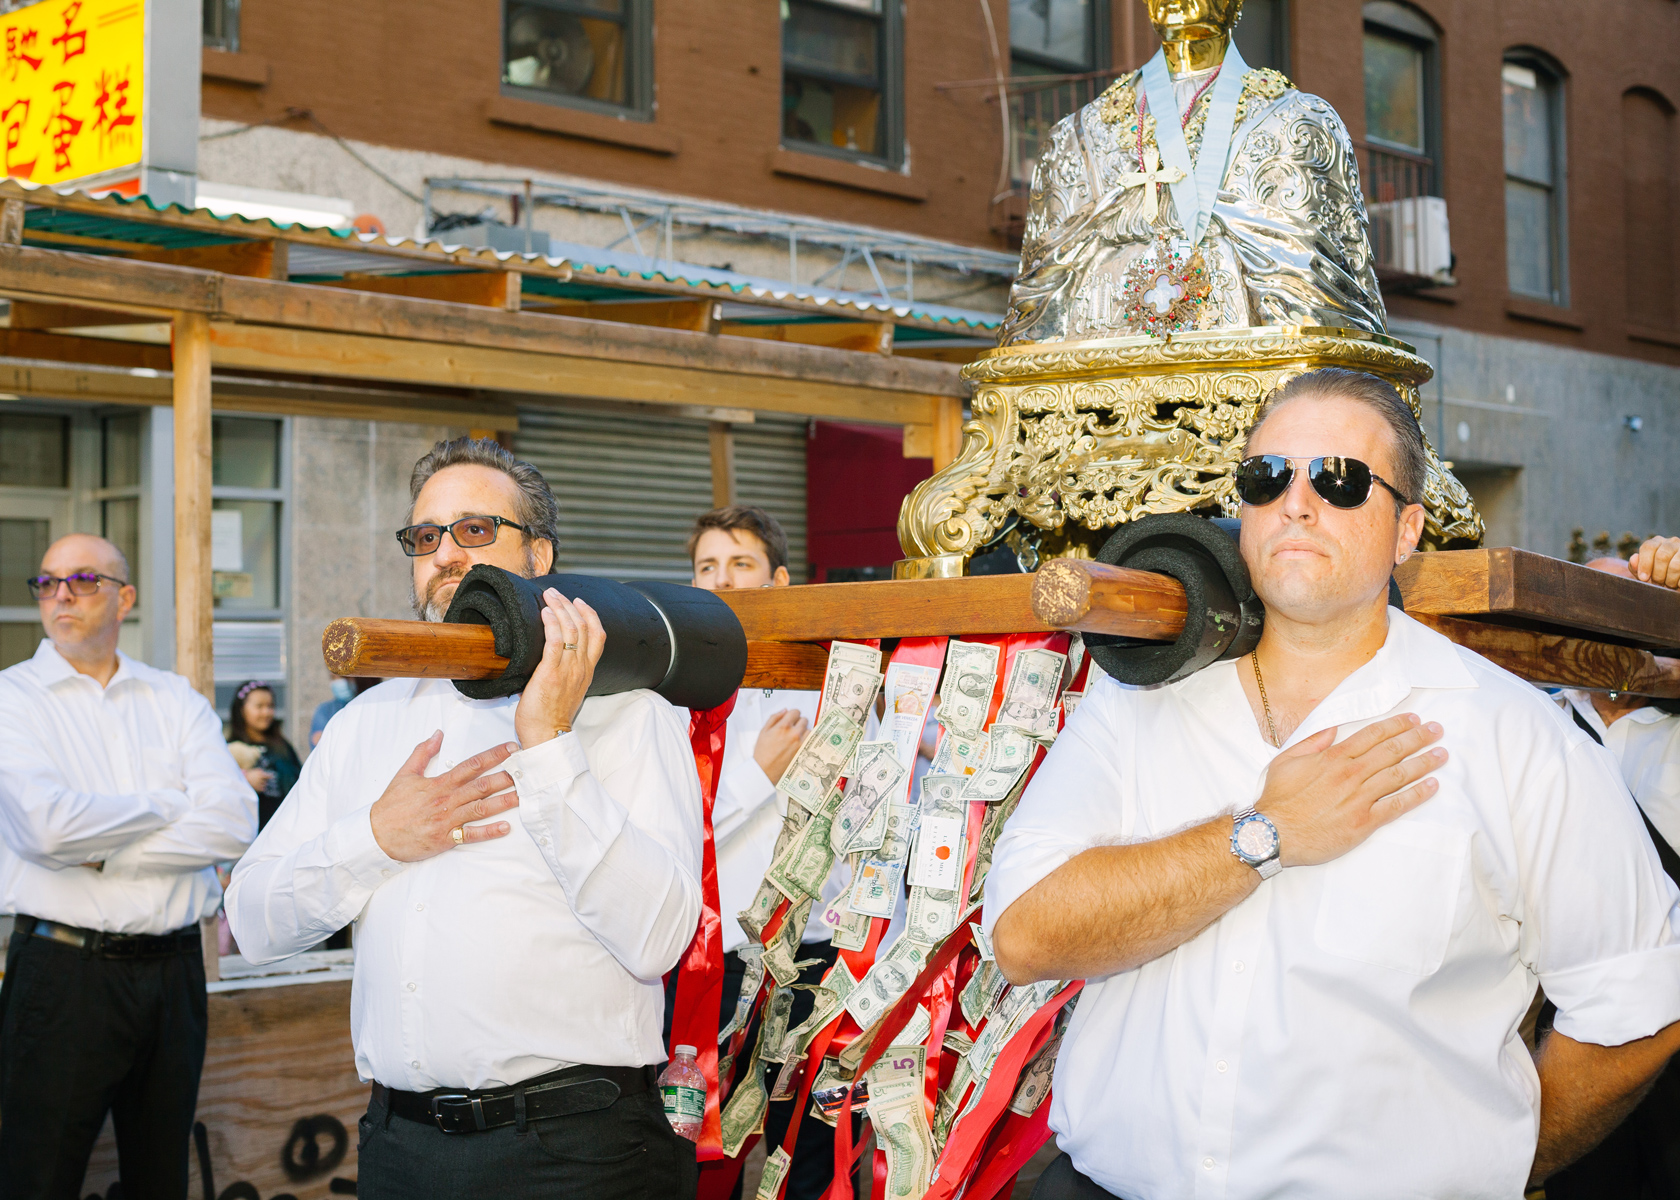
(1194, 195)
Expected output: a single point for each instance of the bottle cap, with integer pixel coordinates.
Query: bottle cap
(688, 1050)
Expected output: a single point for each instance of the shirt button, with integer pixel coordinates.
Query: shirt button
(1208, 1163)
(419, 908)
(412, 986)
(415, 1064)
(517, 773)
(384, 873)
(1218, 1066)
(543, 841)
(1237, 967)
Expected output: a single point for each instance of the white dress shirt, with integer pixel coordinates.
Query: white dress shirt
(1646, 742)
(495, 961)
(135, 775)
(747, 814)
(1350, 1029)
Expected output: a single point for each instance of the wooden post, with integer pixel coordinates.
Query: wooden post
(947, 431)
(723, 464)
(194, 657)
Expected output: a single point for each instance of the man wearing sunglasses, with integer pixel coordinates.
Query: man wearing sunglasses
(117, 798)
(521, 873)
(1313, 890)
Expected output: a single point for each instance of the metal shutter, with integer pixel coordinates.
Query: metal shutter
(630, 486)
(770, 472)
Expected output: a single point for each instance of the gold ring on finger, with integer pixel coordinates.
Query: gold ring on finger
(569, 646)
(459, 834)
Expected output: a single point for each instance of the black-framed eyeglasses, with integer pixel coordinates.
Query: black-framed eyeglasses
(469, 534)
(1339, 482)
(82, 583)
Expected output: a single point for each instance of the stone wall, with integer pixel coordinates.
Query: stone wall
(349, 495)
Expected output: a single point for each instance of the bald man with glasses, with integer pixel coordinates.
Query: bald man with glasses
(117, 797)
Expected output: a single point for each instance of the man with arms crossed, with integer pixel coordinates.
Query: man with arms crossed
(741, 546)
(117, 797)
(1319, 996)
(521, 873)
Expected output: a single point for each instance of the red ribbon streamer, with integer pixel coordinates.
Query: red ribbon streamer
(971, 1133)
(694, 1019)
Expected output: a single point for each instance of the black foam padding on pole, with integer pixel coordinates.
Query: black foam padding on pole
(701, 669)
(711, 649)
(1223, 617)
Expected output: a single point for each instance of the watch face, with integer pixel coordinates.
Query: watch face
(1256, 839)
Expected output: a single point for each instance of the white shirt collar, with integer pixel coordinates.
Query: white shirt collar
(53, 668)
(1582, 701)
(1412, 656)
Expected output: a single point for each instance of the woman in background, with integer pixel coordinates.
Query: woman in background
(270, 764)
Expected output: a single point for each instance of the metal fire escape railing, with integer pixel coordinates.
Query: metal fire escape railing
(654, 225)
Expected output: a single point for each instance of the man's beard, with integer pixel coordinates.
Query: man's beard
(432, 609)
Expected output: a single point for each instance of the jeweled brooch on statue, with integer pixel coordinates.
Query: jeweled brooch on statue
(1166, 291)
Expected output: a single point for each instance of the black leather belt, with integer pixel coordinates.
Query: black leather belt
(112, 945)
(558, 1094)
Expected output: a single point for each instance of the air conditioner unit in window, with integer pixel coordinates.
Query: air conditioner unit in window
(249, 650)
(1410, 237)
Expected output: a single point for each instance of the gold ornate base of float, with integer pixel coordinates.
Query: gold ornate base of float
(1070, 439)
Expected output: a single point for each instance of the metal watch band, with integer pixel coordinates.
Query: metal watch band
(1266, 867)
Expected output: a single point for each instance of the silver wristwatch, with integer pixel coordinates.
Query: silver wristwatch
(1254, 840)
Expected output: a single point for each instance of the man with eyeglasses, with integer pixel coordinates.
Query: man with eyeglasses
(117, 797)
(1313, 889)
(521, 872)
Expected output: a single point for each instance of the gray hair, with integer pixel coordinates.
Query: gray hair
(535, 508)
(1411, 456)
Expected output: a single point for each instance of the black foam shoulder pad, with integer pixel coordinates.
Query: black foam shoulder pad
(682, 642)
(1223, 616)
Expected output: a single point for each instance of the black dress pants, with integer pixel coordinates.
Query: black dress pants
(82, 1036)
(627, 1151)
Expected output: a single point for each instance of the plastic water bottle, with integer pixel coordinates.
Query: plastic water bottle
(683, 1089)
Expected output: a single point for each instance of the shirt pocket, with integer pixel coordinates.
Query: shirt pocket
(1392, 902)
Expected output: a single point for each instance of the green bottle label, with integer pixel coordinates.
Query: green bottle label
(684, 1103)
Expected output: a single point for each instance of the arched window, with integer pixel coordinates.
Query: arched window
(1648, 207)
(1536, 225)
(1402, 101)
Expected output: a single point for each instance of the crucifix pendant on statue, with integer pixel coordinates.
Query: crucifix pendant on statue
(1151, 178)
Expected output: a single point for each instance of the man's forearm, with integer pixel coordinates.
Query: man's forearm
(1587, 1090)
(1113, 908)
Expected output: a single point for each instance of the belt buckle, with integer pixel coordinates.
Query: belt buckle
(456, 1098)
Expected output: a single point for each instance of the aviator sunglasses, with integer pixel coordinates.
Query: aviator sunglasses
(1339, 482)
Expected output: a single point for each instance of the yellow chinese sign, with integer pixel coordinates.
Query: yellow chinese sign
(71, 88)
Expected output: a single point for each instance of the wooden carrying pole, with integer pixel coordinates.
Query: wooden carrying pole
(194, 656)
(782, 623)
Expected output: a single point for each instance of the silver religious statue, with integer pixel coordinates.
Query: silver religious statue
(1285, 240)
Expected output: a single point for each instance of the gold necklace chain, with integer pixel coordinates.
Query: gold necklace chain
(1266, 704)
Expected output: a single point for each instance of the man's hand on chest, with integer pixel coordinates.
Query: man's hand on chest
(419, 817)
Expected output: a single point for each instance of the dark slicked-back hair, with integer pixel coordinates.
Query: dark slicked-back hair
(535, 509)
(743, 518)
(1411, 458)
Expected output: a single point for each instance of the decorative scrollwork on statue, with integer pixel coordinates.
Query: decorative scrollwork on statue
(1076, 439)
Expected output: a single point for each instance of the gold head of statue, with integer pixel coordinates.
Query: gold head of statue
(1194, 33)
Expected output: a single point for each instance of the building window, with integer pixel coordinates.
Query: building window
(1648, 208)
(841, 71)
(1534, 209)
(1402, 103)
(1263, 34)
(588, 53)
(1054, 37)
(221, 25)
(246, 498)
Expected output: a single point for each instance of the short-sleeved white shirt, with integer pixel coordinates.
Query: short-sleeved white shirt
(1350, 1029)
